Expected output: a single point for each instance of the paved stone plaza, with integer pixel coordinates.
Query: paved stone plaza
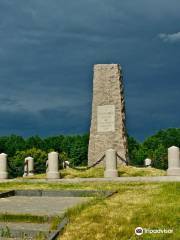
(41, 227)
(44, 203)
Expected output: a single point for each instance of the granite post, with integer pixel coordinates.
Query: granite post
(173, 161)
(30, 166)
(110, 164)
(108, 113)
(53, 162)
(3, 166)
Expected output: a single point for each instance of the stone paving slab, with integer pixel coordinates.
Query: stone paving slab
(48, 206)
(121, 179)
(22, 226)
(19, 230)
(118, 179)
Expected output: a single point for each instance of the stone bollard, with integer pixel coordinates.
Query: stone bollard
(110, 164)
(173, 161)
(53, 161)
(28, 167)
(147, 162)
(3, 166)
(30, 161)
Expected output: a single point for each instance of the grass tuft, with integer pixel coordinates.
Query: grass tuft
(123, 171)
(98, 172)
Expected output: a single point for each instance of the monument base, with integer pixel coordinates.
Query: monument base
(53, 175)
(110, 173)
(173, 172)
(3, 175)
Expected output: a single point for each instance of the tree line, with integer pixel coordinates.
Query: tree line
(154, 147)
(71, 148)
(75, 149)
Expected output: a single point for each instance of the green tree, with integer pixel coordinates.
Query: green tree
(154, 147)
(12, 144)
(167, 138)
(79, 150)
(34, 142)
(17, 161)
(140, 155)
(133, 146)
(160, 158)
(3, 141)
(159, 143)
(54, 143)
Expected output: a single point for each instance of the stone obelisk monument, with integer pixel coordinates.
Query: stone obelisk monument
(108, 113)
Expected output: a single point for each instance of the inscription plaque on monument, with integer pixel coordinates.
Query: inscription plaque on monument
(106, 118)
(108, 129)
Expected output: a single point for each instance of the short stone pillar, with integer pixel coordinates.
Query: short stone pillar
(53, 162)
(173, 161)
(110, 164)
(30, 161)
(3, 166)
(147, 162)
(28, 167)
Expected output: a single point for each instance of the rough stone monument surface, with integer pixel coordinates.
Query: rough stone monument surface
(108, 129)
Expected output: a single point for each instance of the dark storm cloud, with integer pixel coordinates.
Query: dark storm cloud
(47, 49)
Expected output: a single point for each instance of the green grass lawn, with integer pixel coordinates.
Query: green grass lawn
(149, 205)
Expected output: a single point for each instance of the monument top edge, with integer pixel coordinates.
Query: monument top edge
(107, 65)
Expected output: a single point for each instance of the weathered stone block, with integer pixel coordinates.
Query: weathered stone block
(53, 162)
(108, 113)
(110, 164)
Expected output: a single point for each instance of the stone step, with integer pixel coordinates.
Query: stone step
(20, 230)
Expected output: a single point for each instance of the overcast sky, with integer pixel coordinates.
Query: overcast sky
(47, 51)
